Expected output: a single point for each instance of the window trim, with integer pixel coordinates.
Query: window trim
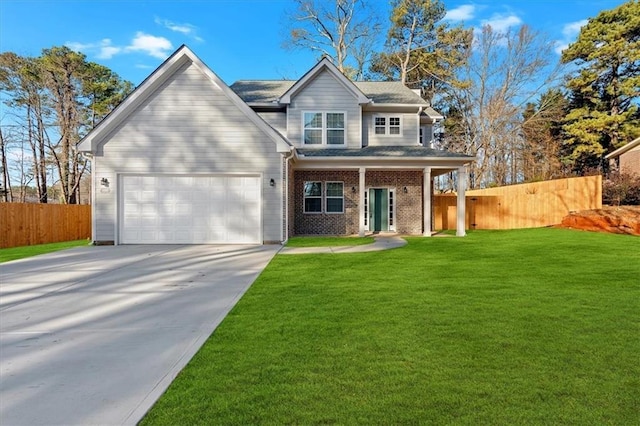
(327, 196)
(387, 125)
(325, 128)
(305, 197)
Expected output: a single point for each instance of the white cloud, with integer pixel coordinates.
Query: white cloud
(464, 12)
(572, 29)
(107, 51)
(502, 23)
(79, 47)
(186, 29)
(158, 47)
(102, 49)
(569, 33)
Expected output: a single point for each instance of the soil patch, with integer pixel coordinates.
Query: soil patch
(616, 220)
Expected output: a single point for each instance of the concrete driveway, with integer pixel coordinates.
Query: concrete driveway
(94, 335)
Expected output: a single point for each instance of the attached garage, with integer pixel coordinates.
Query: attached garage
(190, 209)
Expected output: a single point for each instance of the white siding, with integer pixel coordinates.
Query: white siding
(409, 130)
(325, 93)
(277, 120)
(188, 126)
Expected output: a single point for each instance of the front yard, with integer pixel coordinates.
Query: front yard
(535, 326)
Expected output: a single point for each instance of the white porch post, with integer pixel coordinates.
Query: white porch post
(426, 204)
(361, 187)
(461, 210)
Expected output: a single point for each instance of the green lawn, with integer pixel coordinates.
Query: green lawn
(328, 241)
(15, 253)
(537, 326)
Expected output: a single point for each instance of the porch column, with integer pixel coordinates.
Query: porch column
(426, 202)
(461, 210)
(361, 187)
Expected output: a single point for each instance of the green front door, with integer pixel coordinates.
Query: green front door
(379, 209)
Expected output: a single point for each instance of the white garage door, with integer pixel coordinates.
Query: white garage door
(190, 210)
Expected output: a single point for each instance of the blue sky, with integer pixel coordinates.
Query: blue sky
(238, 39)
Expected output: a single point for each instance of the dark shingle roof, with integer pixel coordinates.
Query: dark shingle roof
(261, 91)
(382, 92)
(381, 151)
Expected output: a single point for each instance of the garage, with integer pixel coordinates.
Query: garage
(195, 209)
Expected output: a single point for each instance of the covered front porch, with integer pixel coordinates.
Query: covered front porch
(342, 195)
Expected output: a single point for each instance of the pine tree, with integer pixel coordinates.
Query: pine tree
(605, 87)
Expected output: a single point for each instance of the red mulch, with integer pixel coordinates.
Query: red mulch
(616, 220)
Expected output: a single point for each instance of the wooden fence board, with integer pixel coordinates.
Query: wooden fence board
(23, 224)
(521, 206)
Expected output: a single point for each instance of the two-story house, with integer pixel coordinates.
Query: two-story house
(187, 159)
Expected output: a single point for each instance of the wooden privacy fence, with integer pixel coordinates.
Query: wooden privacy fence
(527, 205)
(30, 224)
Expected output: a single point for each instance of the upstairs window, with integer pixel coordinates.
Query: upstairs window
(387, 125)
(324, 128)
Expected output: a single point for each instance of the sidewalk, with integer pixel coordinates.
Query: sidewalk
(382, 242)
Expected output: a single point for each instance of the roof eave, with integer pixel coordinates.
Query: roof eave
(623, 149)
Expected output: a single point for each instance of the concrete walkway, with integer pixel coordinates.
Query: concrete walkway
(94, 335)
(382, 242)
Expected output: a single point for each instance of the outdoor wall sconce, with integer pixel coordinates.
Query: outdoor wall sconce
(353, 189)
(104, 182)
(272, 182)
(405, 190)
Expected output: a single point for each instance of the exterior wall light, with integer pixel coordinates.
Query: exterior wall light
(405, 190)
(104, 182)
(272, 182)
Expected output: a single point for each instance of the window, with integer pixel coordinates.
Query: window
(335, 197)
(387, 125)
(312, 128)
(313, 197)
(332, 198)
(335, 128)
(324, 128)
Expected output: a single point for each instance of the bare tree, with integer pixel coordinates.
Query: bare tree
(5, 191)
(506, 71)
(338, 29)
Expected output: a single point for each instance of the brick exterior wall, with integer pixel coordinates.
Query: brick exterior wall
(408, 205)
(323, 223)
(630, 161)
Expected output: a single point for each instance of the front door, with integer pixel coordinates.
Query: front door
(379, 209)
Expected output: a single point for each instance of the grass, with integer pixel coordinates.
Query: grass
(328, 241)
(533, 326)
(15, 253)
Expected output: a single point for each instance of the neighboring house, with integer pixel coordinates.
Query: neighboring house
(187, 159)
(626, 159)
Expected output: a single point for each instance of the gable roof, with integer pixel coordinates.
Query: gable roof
(182, 56)
(324, 65)
(380, 92)
(628, 147)
(269, 92)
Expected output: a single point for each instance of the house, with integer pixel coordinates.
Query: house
(626, 159)
(187, 159)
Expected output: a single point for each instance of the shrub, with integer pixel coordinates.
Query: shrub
(621, 189)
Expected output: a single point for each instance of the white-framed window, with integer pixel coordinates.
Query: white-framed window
(334, 199)
(387, 125)
(323, 128)
(313, 197)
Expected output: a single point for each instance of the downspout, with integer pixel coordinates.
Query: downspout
(287, 158)
(91, 157)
